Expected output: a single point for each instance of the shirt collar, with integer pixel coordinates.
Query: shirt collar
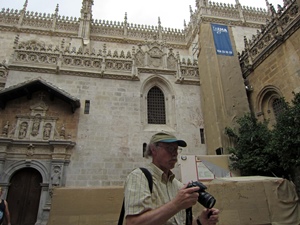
(159, 174)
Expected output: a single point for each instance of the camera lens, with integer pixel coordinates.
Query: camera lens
(207, 200)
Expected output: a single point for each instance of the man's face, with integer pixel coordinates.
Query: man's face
(165, 155)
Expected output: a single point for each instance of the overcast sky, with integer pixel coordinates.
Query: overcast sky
(172, 13)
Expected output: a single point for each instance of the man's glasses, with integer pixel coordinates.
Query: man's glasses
(170, 149)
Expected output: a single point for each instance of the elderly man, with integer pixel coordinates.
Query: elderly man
(167, 203)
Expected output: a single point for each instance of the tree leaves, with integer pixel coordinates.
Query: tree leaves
(261, 151)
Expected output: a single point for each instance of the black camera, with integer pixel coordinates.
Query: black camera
(205, 199)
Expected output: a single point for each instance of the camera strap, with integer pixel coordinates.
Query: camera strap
(150, 183)
(189, 216)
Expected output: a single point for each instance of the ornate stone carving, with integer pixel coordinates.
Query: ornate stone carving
(5, 129)
(140, 58)
(155, 57)
(270, 36)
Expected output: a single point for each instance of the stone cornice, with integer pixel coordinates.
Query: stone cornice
(220, 20)
(31, 143)
(74, 72)
(157, 71)
(152, 56)
(188, 81)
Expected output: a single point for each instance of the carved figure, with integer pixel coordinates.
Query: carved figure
(5, 129)
(23, 130)
(47, 131)
(62, 132)
(35, 126)
(56, 176)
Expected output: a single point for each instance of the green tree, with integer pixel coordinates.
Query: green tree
(286, 135)
(260, 151)
(251, 153)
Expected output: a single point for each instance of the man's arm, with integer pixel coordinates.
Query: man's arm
(185, 198)
(7, 214)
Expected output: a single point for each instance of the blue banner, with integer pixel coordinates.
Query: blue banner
(222, 39)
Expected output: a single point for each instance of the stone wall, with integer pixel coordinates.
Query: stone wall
(279, 73)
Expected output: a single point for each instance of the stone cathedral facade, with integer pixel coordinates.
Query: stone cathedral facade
(81, 97)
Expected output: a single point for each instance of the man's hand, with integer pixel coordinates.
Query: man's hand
(205, 219)
(186, 197)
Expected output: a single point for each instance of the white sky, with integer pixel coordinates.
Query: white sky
(172, 13)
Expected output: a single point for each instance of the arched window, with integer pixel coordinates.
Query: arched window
(269, 105)
(156, 109)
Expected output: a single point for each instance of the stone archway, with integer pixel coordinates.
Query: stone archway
(24, 196)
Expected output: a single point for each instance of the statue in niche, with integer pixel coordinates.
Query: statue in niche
(23, 130)
(63, 132)
(47, 131)
(36, 125)
(56, 176)
(5, 129)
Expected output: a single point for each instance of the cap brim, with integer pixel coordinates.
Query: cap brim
(180, 143)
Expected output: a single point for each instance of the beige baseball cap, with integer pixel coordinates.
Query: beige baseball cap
(167, 138)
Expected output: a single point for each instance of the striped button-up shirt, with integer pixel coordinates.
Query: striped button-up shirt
(138, 197)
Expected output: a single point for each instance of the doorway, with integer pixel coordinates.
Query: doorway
(24, 196)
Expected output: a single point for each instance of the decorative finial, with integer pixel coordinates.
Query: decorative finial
(159, 23)
(267, 3)
(56, 9)
(25, 5)
(125, 18)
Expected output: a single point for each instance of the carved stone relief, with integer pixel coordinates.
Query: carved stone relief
(36, 126)
(172, 62)
(140, 59)
(155, 57)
